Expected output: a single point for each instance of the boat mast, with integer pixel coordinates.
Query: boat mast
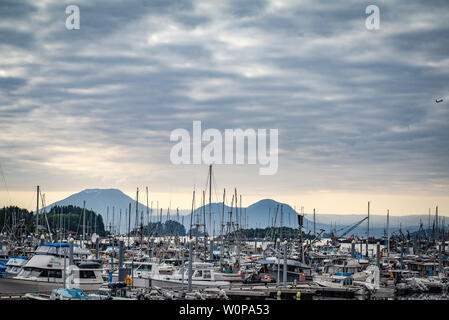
(222, 226)
(210, 197)
(280, 225)
(129, 222)
(204, 226)
(160, 220)
(437, 230)
(60, 233)
(238, 226)
(141, 227)
(46, 219)
(150, 227)
(84, 222)
(240, 213)
(37, 212)
(300, 224)
(148, 212)
(314, 223)
(119, 220)
(367, 232)
(137, 209)
(191, 215)
(388, 232)
(157, 213)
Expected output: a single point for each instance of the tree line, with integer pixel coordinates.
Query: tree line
(67, 219)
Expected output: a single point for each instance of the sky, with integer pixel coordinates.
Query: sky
(355, 108)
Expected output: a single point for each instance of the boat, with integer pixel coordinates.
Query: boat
(142, 272)
(112, 291)
(15, 265)
(296, 270)
(45, 271)
(59, 294)
(203, 275)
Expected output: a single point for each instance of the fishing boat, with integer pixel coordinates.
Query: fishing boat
(203, 275)
(113, 291)
(15, 265)
(271, 267)
(142, 272)
(231, 277)
(45, 271)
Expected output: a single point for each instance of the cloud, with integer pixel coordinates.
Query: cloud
(354, 108)
(10, 84)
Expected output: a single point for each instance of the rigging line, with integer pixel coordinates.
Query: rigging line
(6, 185)
(207, 181)
(214, 212)
(78, 226)
(217, 200)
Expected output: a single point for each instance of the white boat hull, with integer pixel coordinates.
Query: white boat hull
(232, 277)
(21, 286)
(177, 284)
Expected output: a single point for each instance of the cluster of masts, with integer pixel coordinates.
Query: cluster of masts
(233, 219)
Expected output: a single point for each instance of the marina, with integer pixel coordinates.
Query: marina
(224, 159)
(286, 264)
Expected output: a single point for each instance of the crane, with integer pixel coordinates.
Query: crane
(314, 240)
(352, 228)
(317, 237)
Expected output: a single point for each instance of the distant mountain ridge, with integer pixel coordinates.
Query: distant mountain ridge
(99, 200)
(261, 214)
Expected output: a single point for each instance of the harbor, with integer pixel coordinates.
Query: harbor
(340, 275)
(192, 153)
(55, 263)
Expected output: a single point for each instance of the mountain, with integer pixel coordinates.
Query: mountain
(375, 219)
(378, 223)
(261, 214)
(98, 200)
(258, 215)
(267, 212)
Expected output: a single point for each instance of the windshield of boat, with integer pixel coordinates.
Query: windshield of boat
(49, 250)
(145, 267)
(206, 274)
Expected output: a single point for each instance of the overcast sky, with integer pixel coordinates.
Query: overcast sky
(355, 108)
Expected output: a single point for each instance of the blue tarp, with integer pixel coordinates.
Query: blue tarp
(344, 274)
(73, 293)
(56, 245)
(59, 244)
